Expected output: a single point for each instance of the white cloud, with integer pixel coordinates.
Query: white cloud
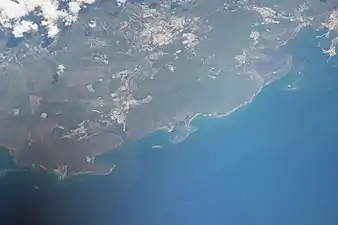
(121, 2)
(74, 7)
(12, 13)
(23, 27)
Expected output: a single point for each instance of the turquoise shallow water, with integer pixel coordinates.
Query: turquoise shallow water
(272, 162)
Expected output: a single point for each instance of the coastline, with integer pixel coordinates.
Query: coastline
(281, 73)
(167, 129)
(250, 100)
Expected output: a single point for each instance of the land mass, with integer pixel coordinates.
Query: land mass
(121, 73)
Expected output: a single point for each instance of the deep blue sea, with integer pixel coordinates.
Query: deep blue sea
(273, 162)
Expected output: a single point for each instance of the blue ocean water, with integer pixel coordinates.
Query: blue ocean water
(272, 162)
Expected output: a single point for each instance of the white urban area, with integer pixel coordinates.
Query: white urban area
(14, 14)
(332, 25)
